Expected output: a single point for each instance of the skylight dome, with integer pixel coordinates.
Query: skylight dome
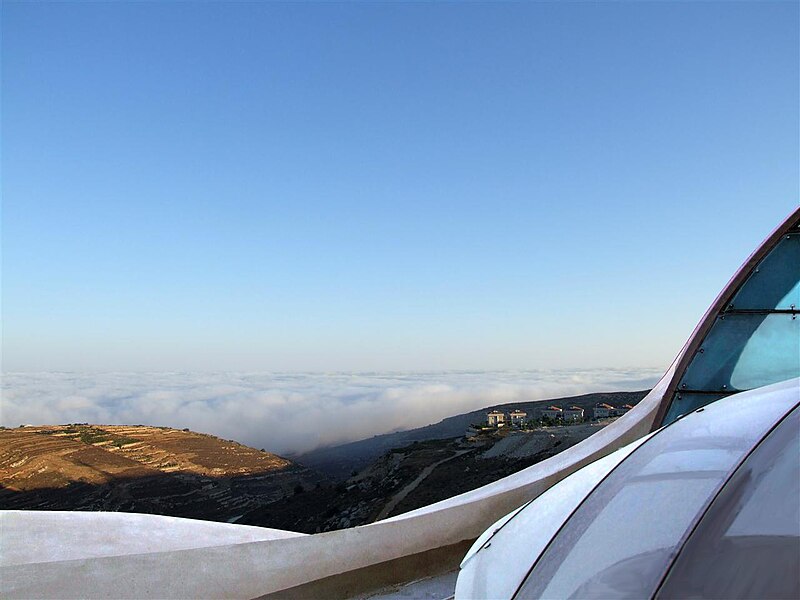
(749, 337)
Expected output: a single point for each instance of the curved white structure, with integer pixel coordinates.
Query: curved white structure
(655, 504)
(30, 537)
(520, 538)
(426, 541)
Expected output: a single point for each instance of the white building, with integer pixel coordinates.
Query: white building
(573, 413)
(518, 417)
(603, 411)
(554, 413)
(496, 418)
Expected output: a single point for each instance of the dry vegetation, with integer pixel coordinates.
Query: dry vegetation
(139, 468)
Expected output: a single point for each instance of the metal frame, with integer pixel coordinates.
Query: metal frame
(789, 224)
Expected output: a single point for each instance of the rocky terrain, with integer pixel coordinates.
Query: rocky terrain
(140, 469)
(417, 475)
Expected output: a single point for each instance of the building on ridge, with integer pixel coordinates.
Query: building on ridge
(604, 411)
(518, 417)
(496, 418)
(554, 413)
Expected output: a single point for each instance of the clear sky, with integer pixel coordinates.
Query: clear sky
(280, 186)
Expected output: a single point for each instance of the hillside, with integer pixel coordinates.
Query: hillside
(339, 462)
(416, 475)
(140, 469)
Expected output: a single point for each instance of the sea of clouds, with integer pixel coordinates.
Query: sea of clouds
(289, 413)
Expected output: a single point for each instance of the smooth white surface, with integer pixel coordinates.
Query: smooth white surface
(47, 536)
(491, 531)
(497, 570)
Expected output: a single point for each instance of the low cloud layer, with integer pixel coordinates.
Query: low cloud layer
(289, 413)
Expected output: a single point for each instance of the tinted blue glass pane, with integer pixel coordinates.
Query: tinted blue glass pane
(684, 403)
(745, 351)
(776, 281)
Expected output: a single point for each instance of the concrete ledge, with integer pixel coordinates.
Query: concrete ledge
(30, 537)
(374, 577)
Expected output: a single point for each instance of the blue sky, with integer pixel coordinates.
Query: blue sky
(385, 186)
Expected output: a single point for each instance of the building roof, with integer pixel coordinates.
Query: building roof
(558, 408)
(604, 405)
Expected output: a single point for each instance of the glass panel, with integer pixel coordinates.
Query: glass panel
(684, 403)
(748, 544)
(776, 282)
(745, 351)
(620, 541)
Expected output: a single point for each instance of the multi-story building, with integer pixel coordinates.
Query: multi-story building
(573, 414)
(496, 418)
(554, 413)
(518, 417)
(604, 411)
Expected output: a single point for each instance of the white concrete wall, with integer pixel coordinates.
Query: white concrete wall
(51, 536)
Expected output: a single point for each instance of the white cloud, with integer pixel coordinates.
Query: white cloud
(289, 412)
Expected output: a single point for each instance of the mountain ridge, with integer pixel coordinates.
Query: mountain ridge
(339, 461)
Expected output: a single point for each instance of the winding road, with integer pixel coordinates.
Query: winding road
(399, 496)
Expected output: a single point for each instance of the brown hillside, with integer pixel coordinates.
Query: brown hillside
(139, 469)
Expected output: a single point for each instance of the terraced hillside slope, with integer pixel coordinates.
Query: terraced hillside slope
(140, 469)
